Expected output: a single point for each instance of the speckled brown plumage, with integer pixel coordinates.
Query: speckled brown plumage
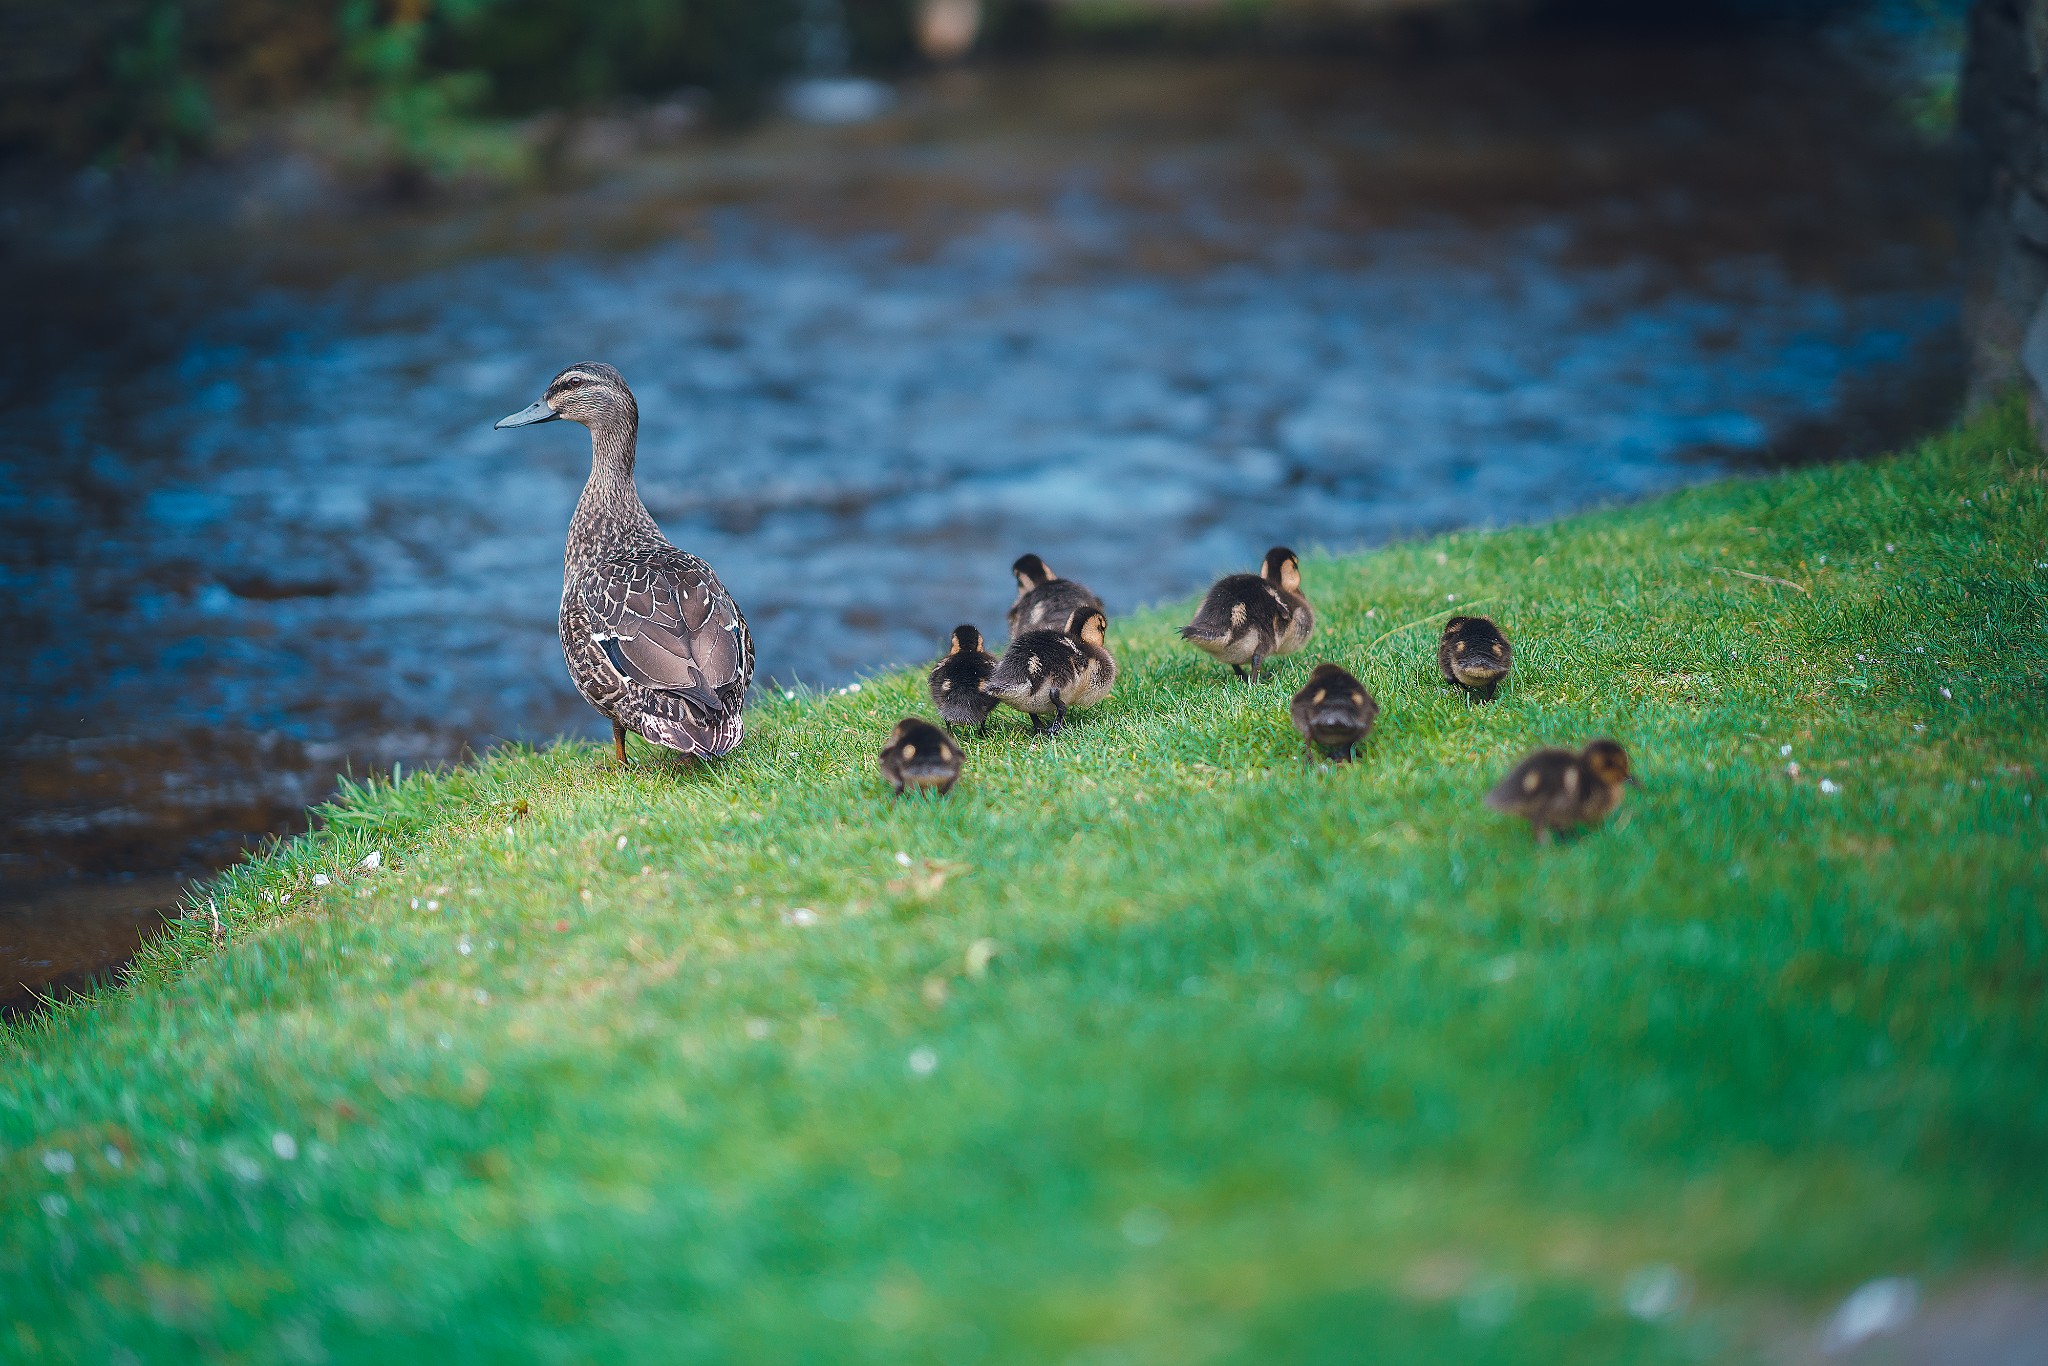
(651, 637)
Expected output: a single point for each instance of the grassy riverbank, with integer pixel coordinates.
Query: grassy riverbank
(1151, 1044)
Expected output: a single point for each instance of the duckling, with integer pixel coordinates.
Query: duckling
(956, 681)
(651, 637)
(1475, 655)
(1045, 601)
(1054, 671)
(1333, 712)
(920, 755)
(1555, 789)
(1250, 618)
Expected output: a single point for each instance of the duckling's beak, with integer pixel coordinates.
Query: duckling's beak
(526, 417)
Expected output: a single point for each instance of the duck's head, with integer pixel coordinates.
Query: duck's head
(965, 640)
(1088, 624)
(1283, 567)
(1327, 681)
(1608, 762)
(589, 392)
(1456, 625)
(1031, 573)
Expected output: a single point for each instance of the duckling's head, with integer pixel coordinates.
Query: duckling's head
(1328, 675)
(1608, 762)
(1283, 567)
(1088, 624)
(966, 640)
(1031, 573)
(589, 392)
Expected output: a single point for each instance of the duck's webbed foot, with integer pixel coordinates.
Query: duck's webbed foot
(1059, 716)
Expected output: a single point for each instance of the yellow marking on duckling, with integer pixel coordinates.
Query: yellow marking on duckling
(1532, 782)
(910, 751)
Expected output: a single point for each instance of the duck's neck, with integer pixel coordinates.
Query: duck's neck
(610, 498)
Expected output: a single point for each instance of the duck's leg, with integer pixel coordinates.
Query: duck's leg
(1237, 669)
(1258, 668)
(1343, 756)
(1059, 716)
(619, 745)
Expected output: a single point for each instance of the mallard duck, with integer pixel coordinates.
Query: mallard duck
(1055, 671)
(920, 755)
(1045, 601)
(1333, 712)
(1475, 655)
(652, 638)
(956, 680)
(1251, 618)
(1555, 789)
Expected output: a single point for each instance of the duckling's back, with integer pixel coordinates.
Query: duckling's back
(1050, 606)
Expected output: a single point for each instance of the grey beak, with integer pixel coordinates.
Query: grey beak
(526, 417)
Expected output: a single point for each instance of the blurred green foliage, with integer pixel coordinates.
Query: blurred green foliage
(125, 80)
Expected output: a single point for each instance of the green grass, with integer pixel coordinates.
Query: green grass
(1270, 1061)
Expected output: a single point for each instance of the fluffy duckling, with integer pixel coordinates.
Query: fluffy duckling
(956, 681)
(1475, 655)
(1045, 601)
(1055, 671)
(920, 755)
(1333, 712)
(1555, 789)
(1250, 618)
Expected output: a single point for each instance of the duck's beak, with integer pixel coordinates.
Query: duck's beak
(526, 417)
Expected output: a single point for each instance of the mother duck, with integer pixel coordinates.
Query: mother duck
(652, 638)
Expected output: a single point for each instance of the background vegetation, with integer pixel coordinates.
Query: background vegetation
(1152, 1043)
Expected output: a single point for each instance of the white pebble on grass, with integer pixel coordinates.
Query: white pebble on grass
(853, 687)
(1873, 1309)
(1656, 1292)
(1829, 786)
(56, 1206)
(923, 1061)
(372, 861)
(1784, 751)
(1145, 1226)
(1949, 695)
(321, 879)
(285, 1146)
(433, 905)
(800, 915)
(483, 998)
(58, 1162)
(902, 859)
(622, 843)
(758, 1029)
(462, 946)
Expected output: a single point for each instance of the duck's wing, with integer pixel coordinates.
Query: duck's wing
(666, 622)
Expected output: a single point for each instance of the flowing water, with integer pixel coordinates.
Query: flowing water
(1145, 317)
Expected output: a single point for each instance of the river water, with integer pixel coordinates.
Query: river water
(1143, 316)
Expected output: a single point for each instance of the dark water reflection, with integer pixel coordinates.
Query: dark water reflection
(1143, 318)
